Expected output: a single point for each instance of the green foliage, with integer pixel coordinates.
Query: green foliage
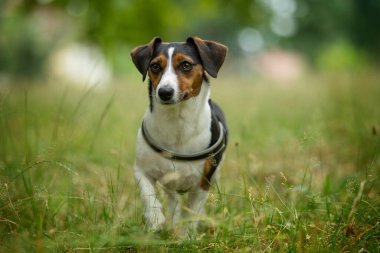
(118, 25)
(111, 23)
(300, 175)
(341, 56)
(363, 26)
(23, 54)
(321, 24)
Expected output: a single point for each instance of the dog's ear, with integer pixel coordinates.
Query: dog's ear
(212, 54)
(142, 55)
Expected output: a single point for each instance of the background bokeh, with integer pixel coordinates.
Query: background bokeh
(328, 35)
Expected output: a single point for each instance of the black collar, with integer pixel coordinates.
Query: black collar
(210, 152)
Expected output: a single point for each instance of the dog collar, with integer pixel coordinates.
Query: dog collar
(210, 152)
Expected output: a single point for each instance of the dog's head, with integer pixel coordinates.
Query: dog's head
(177, 70)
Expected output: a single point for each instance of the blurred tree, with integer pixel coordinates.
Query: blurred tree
(111, 23)
(365, 26)
(321, 24)
(118, 24)
(22, 53)
(132, 21)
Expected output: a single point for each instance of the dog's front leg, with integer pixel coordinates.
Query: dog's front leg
(174, 207)
(196, 202)
(153, 215)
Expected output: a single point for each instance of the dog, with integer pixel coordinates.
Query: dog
(183, 136)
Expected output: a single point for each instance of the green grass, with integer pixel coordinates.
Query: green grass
(301, 172)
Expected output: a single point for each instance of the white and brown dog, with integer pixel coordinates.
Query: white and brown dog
(183, 135)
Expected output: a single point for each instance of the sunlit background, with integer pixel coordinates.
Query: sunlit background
(88, 42)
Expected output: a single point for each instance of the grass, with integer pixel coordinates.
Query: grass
(301, 172)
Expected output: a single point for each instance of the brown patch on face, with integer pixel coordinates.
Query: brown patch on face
(207, 173)
(190, 81)
(155, 76)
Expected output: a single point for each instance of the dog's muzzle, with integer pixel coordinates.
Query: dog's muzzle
(166, 95)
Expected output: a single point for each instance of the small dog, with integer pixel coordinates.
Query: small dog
(183, 136)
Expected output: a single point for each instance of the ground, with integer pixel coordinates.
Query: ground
(301, 172)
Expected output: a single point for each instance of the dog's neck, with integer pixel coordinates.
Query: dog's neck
(182, 127)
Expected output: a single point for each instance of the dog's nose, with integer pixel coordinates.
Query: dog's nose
(165, 93)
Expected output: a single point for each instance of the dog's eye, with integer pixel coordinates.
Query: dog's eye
(186, 66)
(155, 67)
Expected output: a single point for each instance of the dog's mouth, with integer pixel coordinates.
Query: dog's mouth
(184, 95)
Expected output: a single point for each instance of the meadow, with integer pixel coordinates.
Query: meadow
(301, 172)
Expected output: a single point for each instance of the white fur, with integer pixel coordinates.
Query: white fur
(169, 78)
(183, 127)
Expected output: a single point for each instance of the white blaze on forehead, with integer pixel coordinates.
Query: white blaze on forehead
(169, 78)
(170, 60)
(169, 74)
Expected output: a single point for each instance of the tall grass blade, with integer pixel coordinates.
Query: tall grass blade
(99, 124)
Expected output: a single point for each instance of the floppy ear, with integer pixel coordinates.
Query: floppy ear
(142, 55)
(212, 54)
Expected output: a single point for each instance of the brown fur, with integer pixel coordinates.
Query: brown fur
(156, 77)
(207, 168)
(189, 82)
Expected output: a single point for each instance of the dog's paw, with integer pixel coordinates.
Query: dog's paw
(154, 219)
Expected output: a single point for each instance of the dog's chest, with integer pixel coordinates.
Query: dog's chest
(173, 175)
